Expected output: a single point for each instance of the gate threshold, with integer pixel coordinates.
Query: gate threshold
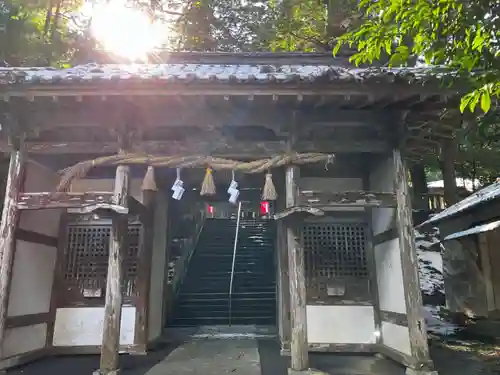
(219, 332)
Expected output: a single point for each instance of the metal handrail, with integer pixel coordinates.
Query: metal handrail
(234, 259)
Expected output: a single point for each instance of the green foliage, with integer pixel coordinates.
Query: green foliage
(35, 33)
(223, 25)
(302, 27)
(460, 35)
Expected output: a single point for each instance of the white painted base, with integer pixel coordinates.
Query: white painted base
(83, 326)
(410, 371)
(112, 372)
(340, 324)
(306, 372)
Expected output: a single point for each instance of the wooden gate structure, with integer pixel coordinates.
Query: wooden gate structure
(357, 294)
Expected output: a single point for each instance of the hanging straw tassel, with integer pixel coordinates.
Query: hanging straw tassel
(208, 185)
(149, 181)
(269, 192)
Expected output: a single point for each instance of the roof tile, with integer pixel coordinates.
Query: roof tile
(242, 73)
(484, 195)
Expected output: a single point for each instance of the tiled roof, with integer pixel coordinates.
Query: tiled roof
(487, 194)
(223, 73)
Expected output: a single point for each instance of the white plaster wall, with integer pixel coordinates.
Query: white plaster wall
(381, 180)
(105, 184)
(33, 267)
(41, 221)
(80, 326)
(388, 261)
(24, 339)
(396, 337)
(390, 277)
(40, 179)
(158, 268)
(32, 278)
(340, 324)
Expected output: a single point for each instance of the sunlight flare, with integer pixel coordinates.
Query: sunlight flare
(125, 30)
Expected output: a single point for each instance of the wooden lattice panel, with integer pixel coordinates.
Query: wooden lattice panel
(85, 264)
(335, 250)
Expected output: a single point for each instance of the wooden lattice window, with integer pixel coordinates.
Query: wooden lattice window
(85, 261)
(335, 259)
(335, 250)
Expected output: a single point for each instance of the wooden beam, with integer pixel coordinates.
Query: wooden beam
(223, 148)
(409, 263)
(152, 89)
(82, 203)
(35, 237)
(113, 303)
(297, 281)
(165, 114)
(8, 225)
(293, 212)
(324, 199)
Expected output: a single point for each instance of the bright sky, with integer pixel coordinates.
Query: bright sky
(124, 30)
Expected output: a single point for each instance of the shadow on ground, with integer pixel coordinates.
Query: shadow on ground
(450, 358)
(337, 364)
(87, 364)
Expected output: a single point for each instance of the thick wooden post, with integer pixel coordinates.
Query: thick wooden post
(447, 161)
(10, 220)
(283, 285)
(298, 345)
(113, 305)
(409, 263)
(149, 190)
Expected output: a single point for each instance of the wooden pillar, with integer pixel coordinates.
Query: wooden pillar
(420, 190)
(298, 344)
(145, 255)
(447, 161)
(8, 226)
(283, 283)
(409, 263)
(113, 305)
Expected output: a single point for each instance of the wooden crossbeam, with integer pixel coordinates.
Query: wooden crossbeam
(216, 148)
(324, 199)
(82, 203)
(298, 210)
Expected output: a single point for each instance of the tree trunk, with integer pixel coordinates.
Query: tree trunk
(337, 14)
(447, 161)
(419, 183)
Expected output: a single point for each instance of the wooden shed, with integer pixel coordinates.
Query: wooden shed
(470, 233)
(97, 148)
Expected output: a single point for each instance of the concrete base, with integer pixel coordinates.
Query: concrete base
(211, 357)
(306, 372)
(410, 371)
(111, 372)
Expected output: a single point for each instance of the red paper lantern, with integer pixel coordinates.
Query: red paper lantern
(264, 208)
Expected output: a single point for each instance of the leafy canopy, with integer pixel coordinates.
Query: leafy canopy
(463, 36)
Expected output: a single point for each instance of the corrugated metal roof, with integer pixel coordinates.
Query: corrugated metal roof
(487, 194)
(475, 230)
(227, 73)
